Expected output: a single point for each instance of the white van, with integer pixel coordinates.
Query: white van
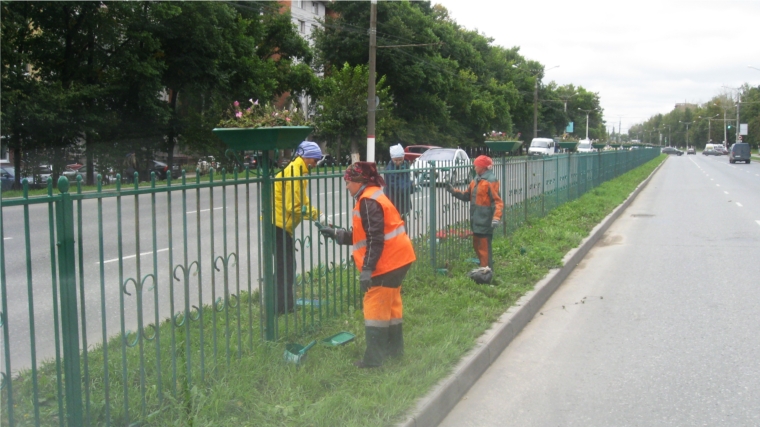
(584, 146)
(541, 147)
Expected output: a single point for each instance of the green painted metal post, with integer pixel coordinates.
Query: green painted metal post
(433, 183)
(69, 314)
(503, 188)
(525, 191)
(543, 186)
(268, 262)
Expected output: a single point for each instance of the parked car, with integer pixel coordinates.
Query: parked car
(672, 150)
(710, 152)
(413, 152)
(739, 152)
(256, 161)
(8, 176)
(450, 166)
(691, 150)
(71, 175)
(160, 168)
(327, 160)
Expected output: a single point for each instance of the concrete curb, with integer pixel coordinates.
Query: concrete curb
(434, 407)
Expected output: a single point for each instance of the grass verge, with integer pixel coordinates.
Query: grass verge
(443, 317)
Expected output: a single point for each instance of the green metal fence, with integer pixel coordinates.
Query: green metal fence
(114, 300)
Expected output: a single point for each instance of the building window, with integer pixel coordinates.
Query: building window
(302, 26)
(313, 28)
(300, 4)
(315, 8)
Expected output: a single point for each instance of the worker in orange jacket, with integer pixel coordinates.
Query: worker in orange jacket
(485, 207)
(383, 253)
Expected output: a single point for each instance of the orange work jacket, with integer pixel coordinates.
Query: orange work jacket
(397, 249)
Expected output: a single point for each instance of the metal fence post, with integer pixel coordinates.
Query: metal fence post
(525, 190)
(433, 183)
(267, 228)
(64, 212)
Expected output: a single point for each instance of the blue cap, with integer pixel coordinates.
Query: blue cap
(309, 150)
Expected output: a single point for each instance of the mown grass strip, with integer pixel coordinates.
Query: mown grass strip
(443, 317)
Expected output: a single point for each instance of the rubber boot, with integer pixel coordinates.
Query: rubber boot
(396, 341)
(377, 341)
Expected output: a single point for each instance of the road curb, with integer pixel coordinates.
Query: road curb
(433, 407)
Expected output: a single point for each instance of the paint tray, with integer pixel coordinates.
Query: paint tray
(338, 339)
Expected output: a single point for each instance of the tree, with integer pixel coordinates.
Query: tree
(343, 109)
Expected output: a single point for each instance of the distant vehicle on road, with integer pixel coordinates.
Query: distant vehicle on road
(672, 150)
(739, 153)
(721, 149)
(71, 174)
(327, 160)
(412, 152)
(710, 152)
(541, 147)
(584, 146)
(691, 150)
(449, 164)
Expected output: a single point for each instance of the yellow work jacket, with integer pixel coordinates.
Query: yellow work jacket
(291, 197)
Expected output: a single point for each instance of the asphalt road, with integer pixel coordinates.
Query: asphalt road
(110, 257)
(657, 326)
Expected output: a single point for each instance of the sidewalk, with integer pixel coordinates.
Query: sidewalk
(434, 407)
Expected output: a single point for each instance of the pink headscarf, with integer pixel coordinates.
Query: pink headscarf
(364, 172)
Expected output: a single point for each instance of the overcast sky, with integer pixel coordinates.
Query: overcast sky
(641, 57)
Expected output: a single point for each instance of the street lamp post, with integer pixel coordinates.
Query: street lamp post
(587, 113)
(535, 95)
(687, 132)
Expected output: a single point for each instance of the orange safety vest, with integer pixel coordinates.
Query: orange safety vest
(397, 250)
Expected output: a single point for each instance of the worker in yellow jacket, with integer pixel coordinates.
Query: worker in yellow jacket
(383, 254)
(291, 206)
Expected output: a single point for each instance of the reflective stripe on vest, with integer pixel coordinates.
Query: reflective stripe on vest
(389, 236)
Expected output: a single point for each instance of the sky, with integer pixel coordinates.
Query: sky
(641, 57)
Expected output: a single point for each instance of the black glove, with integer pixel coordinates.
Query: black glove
(449, 187)
(328, 232)
(365, 279)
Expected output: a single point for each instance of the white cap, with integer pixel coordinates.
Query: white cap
(397, 151)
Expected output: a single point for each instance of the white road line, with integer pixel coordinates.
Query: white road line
(7, 238)
(739, 204)
(204, 210)
(757, 221)
(133, 256)
(726, 192)
(718, 185)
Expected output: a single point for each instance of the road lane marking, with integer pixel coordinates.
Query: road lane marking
(133, 256)
(757, 221)
(204, 210)
(726, 192)
(739, 204)
(717, 185)
(7, 238)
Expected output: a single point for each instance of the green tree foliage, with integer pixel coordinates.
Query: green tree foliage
(110, 78)
(709, 121)
(342, 117)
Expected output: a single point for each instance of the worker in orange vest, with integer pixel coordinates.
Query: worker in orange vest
(485, 207)
(383, 253)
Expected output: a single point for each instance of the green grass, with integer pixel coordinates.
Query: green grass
(443, 317)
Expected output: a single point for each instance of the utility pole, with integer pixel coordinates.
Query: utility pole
(371, 85)
(620, 128)
(535, 109)
(738, 104)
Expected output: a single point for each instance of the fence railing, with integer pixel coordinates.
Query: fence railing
(114, 300)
